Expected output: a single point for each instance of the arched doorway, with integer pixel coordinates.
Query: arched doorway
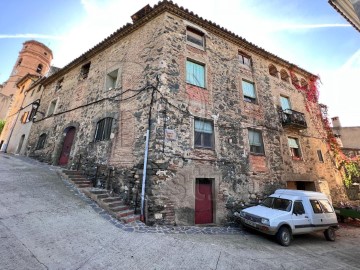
(66, 149)
(20, 144)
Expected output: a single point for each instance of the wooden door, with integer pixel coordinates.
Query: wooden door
(203, 201)
(65, 152)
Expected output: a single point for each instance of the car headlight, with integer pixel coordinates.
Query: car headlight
(242, 213)
(265, 221)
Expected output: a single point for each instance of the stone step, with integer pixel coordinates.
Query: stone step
(102, 196)
(84, 185)
(114, 204)
(78, 177)
(71, 173)
(98, 191)
(129, 219)
(82, 182)
(119, 208)
(111, 199)
(125, 213)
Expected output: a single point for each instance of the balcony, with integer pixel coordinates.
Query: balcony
(293, 119)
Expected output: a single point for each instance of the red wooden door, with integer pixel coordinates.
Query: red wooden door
(203, 201)
(65, 152)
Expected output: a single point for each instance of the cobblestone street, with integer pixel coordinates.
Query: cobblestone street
(47, 223)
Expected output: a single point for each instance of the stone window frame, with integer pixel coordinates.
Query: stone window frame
(253, 100)
(320, 156)
(99, 117)
(284, 76)
(41, 141)
(273, 71)
(198, 63)
(108, 77)
(295, 153)
(84, 71)
(103, 129)
(262, 149)
(212, 147)
(48, 112)
(59, 84)
(245, 59)
(194, 28)
(290, 103)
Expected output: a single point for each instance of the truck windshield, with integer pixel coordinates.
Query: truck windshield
(277, 203)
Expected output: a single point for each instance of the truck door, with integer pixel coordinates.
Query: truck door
(300, 219)
(318, 218)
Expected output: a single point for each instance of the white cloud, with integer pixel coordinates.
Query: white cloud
(37, 36)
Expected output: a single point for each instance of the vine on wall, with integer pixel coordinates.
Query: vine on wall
(348, 167)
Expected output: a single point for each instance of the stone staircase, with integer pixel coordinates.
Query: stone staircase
(114, 205)
(78, 179)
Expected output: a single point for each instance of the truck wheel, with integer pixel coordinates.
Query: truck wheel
(330, 234)
(283, 236)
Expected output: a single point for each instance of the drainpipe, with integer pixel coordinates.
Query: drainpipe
(142, 214)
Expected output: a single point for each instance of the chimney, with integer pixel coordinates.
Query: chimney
(141, 13)
(336, 122)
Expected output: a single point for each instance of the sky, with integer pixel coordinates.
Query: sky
(308, 33)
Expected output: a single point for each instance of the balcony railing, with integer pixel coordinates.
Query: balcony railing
(291, 118)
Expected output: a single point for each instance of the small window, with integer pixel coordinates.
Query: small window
(256, 142)
(273, 71)
(295, 81)
(249, 91)
(59, 84)
(195, 74)
(111, 79)
(52, 107)
(32, 92)
(84, 72)
(244, 59)
(39, 68)
(38, 89)
(303, 84)
(204, 134)
(316, 206)
(320, 156)
(103, 129)
(195, 37)
(41, 141)
(294, 148)
(24, 117)
(326, 206)
(285, 104)
(19, 62)
(32, 114)
(284, 76)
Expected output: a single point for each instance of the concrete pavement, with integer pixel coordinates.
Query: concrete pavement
(44, 224)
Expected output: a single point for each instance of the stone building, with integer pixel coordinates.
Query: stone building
(229, 122)
(34, 58)
(32, 64)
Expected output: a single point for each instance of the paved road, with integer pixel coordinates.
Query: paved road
(46, 225)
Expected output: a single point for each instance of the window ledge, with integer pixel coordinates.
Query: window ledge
(202, 48)
(297, 158)
(257, 154)
(196, 86)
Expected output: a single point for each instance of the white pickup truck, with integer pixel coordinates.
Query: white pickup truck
(289, 212)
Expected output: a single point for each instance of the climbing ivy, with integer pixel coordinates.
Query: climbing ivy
(2, 124)
(348, 167)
